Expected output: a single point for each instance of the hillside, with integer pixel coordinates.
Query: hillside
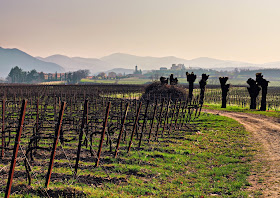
(94, 65)
(10, 58)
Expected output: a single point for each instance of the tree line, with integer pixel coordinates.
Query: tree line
(18, 75)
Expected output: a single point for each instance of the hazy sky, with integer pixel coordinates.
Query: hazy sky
(245, 30)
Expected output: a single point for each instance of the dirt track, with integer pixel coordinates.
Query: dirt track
(265, 131)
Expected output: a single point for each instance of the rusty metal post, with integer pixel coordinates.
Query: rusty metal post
(3, 127)
(134, 126)
(16, 147)
(84, 120)
(144, 123)
(103, 134)
(152, 123)
(56, 137)
(122, 129)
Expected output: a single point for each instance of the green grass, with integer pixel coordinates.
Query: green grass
(132, 80)
(211, 159)
(236, 108)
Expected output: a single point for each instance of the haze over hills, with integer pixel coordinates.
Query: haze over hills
(10, 58)
(94, 65)
(120, 61)
(117, 62)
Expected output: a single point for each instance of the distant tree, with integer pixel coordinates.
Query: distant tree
(102, 75)
(75, 77)
(41, 77)
(119, 75)
(32, 76)
(112, 75)
(69, 77)
(17, 75)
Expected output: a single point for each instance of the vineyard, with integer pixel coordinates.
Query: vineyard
(89, 123)
(72, 137)
(239, 96)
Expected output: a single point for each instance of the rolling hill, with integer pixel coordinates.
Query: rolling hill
(10, 58)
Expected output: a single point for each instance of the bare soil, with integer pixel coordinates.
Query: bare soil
(266, 131)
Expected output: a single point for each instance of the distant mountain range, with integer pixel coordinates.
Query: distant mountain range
(75, 63)
(13, 57)
(117, 62)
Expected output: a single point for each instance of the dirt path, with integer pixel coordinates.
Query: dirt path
(265, 130)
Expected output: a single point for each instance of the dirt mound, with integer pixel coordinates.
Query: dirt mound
(157, 90)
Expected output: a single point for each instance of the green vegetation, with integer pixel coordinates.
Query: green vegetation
(236, 108)
(210, 159)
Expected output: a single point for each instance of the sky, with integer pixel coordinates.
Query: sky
(241, 30)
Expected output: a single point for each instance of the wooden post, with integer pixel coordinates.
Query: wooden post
(177, 114)
(103, 134)
(16, 147)
(152, 123)
(144, 123)
(172, 117)
(122, 129)
(159, 120)
(3, 127)
(84, 120)
(166, 118)
(134, 126)
(56, 138)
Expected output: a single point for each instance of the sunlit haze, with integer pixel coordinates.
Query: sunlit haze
(241, 30)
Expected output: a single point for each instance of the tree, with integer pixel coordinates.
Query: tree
(17, 75)
(101, 75)
(76, 76)
(112, 75)
(32, 76)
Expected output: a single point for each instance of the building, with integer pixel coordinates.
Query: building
(177, 67)
(163, 68)
(137, 72)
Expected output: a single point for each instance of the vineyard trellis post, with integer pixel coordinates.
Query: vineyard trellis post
(159, 119)
(122, 129)
(3, 127)
(153, 119)
(134, 126)
(172, 117)
(56, 138)
(166, 118)
(16, 147)
(103, 134)
(81, 135)
(144, 123)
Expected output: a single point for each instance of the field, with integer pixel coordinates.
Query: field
(128, 81)
(113, 144)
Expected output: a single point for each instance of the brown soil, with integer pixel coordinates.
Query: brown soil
(266, 131)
